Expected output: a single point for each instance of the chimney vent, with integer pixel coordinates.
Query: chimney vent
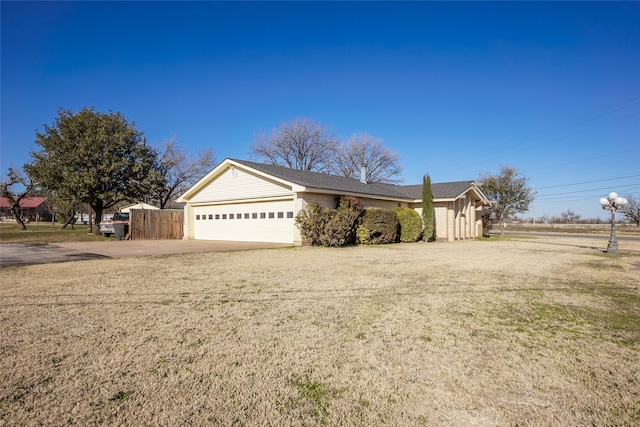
(363, 173)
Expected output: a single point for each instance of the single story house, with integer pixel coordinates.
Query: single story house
(32, 208)
(247, 201)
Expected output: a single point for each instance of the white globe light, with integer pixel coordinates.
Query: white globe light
(613, 195)
(604, 202)
(621, 201)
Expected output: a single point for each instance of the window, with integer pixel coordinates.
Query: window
(217, 216)
(204, 217)
(289, 214)
(197, 217)
(210, 216)
(246, 216)
(262, 215)
(239, 216)
(254, 215)
(280, 214)
(224, 216)
(230, 216)
(271, 215)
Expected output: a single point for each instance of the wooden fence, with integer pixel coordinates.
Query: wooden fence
(146, 224)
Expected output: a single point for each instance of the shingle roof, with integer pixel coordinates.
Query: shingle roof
(443, 190)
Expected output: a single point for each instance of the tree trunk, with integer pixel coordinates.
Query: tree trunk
(69, 221)
(17, 213)
(97, 209)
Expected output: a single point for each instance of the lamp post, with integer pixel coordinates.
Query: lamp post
(612, 203)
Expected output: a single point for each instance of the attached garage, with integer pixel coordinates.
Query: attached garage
(245, 222)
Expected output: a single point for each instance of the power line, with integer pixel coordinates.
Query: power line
(586, 191)
(588, 182)
(476, 157)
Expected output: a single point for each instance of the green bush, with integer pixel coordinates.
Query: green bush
(377, 226)
(410, 224)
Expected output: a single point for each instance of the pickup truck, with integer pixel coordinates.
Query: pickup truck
(107, 227)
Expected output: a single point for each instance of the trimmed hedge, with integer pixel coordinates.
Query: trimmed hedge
(377, 226)
(410, 224)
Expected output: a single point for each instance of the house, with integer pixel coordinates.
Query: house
(247, 201)
(32, 208)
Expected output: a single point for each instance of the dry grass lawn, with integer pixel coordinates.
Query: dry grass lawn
(526, 332)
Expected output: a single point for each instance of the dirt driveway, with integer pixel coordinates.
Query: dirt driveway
(14, 255)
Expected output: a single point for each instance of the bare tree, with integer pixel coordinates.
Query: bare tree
(383, 164)
(299, 144)
(181, 170)
(14, 197)
(570, 217)
(631, 210)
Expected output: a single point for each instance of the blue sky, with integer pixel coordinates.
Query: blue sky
(455, 88)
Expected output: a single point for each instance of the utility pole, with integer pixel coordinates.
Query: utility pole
(533, 201)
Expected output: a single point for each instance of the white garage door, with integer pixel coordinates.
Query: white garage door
(250, 222)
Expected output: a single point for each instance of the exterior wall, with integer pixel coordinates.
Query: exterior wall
(236, 184)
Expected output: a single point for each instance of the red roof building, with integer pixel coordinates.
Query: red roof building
(32, 208)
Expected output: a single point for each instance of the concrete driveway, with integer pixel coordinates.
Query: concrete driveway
(15, 255)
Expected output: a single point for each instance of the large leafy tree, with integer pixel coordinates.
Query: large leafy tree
(428, 214)
(299, 144)
(382, 163)
(180, 170)
(16, 188)
(509, 192)
(99, 158)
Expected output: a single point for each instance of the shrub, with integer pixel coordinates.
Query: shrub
(340, 229)
(410, 224)
(330, 227)
(377, 226)
(312, 221)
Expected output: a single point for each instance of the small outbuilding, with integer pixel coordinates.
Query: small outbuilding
(140, 205)
(247, 201)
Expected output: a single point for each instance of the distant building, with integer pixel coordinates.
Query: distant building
(32, 209)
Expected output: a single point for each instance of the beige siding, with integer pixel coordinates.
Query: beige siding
(238, 184)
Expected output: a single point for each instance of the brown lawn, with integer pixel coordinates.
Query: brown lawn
(525, 332)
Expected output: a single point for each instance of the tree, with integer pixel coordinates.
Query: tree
(570, 217)
(14, 197)
(428, 214)
(298, 144)
(66, 207)
(509, 193)
(180, 171)
(99, 158)
(631, 210)
(382, 163)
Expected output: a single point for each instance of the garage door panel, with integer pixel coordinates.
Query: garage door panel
(251, 222)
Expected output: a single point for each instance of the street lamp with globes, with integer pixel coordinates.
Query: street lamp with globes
(613, 203)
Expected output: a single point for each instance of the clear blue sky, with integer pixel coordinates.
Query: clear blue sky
(455, 88)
